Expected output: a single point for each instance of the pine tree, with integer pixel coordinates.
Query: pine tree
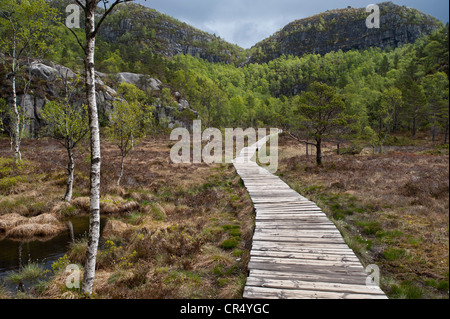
(320, 112)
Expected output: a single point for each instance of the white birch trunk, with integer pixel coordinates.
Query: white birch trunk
(94, 220)
(121, 170)
(70, 170)
(17, 154)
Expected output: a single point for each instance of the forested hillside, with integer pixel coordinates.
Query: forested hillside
(268, 94)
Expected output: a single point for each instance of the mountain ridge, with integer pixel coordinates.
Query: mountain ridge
(139, 27)
(345, 29)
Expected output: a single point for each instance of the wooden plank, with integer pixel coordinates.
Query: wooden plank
(315, 232)
(331, 270)
(287, 210)
(295, 239)
(340, 248)
(305, 276)
(297, 235)
(314, 286)
(272, 293)
(305, 217)
(280, 225)
(307, 262)
(308, 276)
(304, 255)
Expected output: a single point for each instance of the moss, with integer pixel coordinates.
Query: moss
(229, 243)
(370, 227)
(394, 253)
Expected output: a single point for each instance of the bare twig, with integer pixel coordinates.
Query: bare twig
(76, 37)
(296, 138)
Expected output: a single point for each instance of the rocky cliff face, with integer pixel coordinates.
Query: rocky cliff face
(133, 23)
(346, 29)
(47, 80)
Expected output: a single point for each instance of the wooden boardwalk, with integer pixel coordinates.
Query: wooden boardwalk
(297, 252)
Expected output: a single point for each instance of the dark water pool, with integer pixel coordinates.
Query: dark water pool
(15, 253)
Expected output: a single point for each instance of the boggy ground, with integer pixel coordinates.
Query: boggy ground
(392, 209)
(172, 231)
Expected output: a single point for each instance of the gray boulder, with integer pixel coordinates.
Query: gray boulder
(141, 81)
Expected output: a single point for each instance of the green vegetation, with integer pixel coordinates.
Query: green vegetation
(127, 125)
(384, 92)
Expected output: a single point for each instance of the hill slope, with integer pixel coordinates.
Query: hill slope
(138, 29)
(345, 29)
(133, 24)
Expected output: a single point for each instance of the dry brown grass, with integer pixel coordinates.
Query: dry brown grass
(15, 226)
(116, 228)
(9, 221)
(29, 231)
(165, 224)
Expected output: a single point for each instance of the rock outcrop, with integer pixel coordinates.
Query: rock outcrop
(346, 29)
(46, 87)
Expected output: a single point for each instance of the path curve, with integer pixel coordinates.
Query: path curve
(297, 253)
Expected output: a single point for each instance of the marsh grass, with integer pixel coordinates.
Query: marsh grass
(166, 222)
(31, 272)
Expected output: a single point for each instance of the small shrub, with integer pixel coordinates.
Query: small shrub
(398, 141)
(229, 243)
(60, 264)
(351, 150)
(233, 230)
(443, 285)
(369, 227)
(238, 253)
(8, 184)
(158, 212)
(172, 242)
(77, 252)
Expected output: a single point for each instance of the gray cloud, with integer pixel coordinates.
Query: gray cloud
(245, 22)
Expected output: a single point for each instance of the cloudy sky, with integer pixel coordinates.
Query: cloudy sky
(245, 22)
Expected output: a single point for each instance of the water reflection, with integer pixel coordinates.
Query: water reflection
(14, 254)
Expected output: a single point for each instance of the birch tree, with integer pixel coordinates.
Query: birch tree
(125, 128)
(25, 27)
(68, 124)
(90, 8)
